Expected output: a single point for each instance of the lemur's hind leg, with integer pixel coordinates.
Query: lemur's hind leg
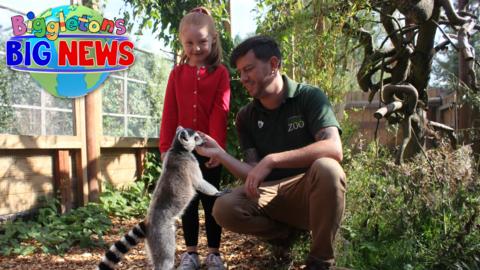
(161, 246)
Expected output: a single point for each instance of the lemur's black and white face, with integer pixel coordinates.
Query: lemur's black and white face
(189, 138)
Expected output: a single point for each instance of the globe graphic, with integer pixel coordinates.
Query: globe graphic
(70, 81)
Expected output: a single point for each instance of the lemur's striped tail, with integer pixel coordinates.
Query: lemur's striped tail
(116, 252)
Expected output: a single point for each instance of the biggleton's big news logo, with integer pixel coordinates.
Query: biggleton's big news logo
(68, 40)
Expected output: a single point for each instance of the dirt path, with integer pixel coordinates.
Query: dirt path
(239, 252)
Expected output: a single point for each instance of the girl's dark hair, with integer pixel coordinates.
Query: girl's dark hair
(201, 16)
(263, 47)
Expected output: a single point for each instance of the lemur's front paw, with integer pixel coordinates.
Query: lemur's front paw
(222, 192)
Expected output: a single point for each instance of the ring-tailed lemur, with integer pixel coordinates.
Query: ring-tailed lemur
(181, 177)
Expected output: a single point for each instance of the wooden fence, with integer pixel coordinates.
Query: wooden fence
(36, 166)
(442, 109)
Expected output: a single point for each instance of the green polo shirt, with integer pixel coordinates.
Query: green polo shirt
(292, 125)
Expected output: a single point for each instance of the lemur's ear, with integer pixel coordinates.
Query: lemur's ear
(178, 128)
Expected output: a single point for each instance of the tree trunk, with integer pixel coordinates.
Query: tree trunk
(469, 116)
(465, 112)
(419, 77)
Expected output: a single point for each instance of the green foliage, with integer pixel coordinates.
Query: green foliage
(301, 247)
(349, 137)
(421, 215)
(151, 170)
(6, 111)
(133, 200)
(128, 202)
(313, 44)
(51, 232)
(163, 17)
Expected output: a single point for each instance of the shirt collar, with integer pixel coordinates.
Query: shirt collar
(290, 86)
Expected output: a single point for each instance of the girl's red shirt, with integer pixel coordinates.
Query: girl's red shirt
(197, 99)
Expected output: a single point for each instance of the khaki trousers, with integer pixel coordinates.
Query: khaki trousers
(312, 201)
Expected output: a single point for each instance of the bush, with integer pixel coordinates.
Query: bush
(421, 215)
(152, 170)
(128, 202)
(52, 232)
(133, 200)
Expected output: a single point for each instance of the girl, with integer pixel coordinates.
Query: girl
(198, 97)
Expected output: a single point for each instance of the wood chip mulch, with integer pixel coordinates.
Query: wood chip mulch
(240, 252)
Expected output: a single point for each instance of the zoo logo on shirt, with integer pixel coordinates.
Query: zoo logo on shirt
(295, 122)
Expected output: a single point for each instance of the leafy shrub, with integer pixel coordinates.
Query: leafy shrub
(133, 200)
(151, 170)
(52, 232)
(421, 215)
(128, 202)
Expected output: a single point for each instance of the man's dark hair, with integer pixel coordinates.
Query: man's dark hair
(263, 48)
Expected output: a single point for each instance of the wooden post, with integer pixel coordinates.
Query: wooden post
(78, 189)
(62, 181)
(80, 165)
(93, 131)
(140, 159)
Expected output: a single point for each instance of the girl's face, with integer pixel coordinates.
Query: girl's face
(196, 43)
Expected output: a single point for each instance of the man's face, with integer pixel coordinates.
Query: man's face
(255, 74)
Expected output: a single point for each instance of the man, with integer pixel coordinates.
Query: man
(292, 154)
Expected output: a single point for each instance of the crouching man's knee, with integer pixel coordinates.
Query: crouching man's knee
(224, 212)
(327, 173)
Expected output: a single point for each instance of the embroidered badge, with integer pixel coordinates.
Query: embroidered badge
(295, 122)
(260, 123)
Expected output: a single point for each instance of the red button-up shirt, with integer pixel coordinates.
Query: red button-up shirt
(196, 99)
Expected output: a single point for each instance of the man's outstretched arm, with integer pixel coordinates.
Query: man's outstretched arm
(328, 144)
(240, 169)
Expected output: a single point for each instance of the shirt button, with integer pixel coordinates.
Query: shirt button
(194, 119)
(195, 92)
(194, 105)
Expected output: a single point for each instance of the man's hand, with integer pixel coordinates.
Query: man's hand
(215, 152)
(256, 177)
(212, 163)
(211, 149)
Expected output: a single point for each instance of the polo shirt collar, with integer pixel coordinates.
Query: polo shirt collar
(290, 88)
(290, 85)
